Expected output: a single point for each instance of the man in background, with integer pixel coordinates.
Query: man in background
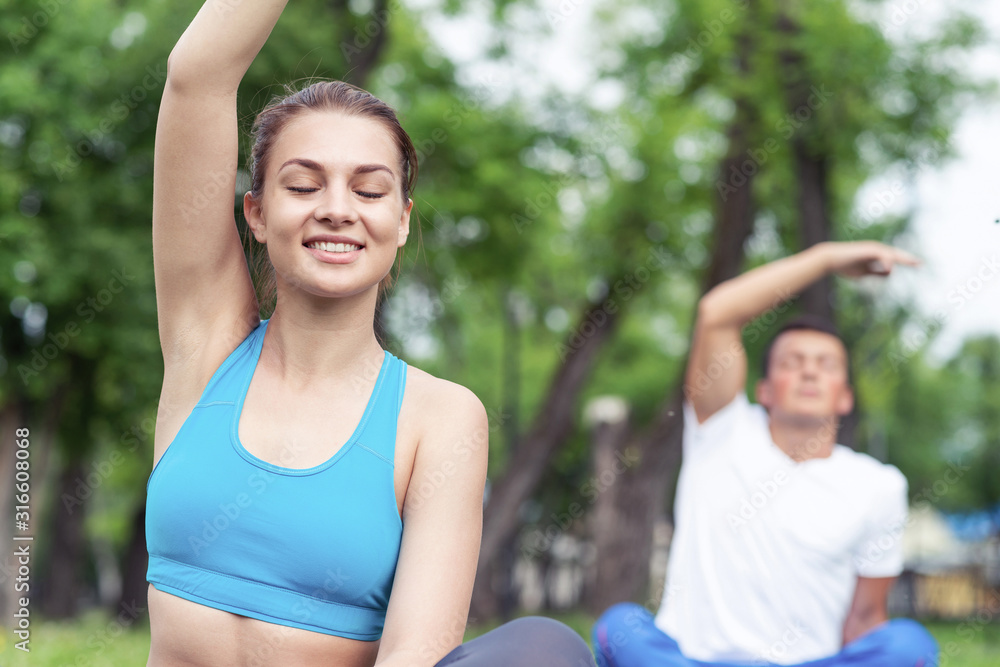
(786, 543)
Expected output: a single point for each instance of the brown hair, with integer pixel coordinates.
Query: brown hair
(320, 96)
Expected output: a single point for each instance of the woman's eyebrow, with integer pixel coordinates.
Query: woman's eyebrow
(369, 168)
(316, 166)
(302, 162)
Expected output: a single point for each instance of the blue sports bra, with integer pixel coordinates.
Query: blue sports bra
(312, 548)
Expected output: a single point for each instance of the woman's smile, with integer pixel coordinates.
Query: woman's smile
(335, 253)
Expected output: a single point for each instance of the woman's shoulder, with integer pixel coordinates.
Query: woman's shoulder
(443, 411)
(437, 396)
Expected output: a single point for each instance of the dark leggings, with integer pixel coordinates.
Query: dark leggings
(532, 641)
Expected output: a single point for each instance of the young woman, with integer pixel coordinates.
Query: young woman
(284, 522)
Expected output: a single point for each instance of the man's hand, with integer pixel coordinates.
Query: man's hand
(864, 258)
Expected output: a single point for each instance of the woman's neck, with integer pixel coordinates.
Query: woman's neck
(313, 341)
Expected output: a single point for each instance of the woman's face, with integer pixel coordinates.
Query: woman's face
(334, 180)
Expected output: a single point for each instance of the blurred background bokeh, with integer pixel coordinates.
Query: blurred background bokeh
(588, 169)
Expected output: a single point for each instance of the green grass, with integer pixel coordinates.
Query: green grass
(968, 644)
(95, 640)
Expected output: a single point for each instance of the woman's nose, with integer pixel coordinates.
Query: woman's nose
(336, 205)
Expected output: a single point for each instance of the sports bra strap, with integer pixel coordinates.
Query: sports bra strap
(379, 433)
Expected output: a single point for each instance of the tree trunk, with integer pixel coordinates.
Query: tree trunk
(612, 459)
(645, 487)
(134, 586)
(511, 371)
(811, 171)
(362, 41)
(41, 438)
(13, 416)
(810, 156)
(61, 571)
(533, 452)
(69, 413)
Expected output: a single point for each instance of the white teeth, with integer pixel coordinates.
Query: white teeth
(333, 247)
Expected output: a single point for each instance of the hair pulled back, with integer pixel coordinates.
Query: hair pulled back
(336, 96)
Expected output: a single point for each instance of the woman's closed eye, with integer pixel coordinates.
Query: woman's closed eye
(362, 193)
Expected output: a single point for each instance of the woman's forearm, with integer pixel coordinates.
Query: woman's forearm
(217, 48)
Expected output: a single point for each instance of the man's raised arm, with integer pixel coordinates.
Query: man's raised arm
(710, 384)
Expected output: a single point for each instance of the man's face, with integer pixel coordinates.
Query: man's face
(807, 378)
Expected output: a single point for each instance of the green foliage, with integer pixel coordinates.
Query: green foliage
(942, 427)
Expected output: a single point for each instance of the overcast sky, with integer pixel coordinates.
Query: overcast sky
(956, 206)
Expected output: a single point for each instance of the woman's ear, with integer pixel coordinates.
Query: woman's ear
(404, 223)
(255, 217)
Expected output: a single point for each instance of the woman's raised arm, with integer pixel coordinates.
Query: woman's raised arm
(203, 289)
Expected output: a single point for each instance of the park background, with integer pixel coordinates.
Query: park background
(588, 169)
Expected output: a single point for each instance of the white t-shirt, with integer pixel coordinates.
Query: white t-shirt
(766, 550)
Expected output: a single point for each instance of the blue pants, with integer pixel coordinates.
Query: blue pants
(625, 636)
(532, 641)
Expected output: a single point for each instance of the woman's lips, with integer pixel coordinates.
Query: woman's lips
(335, 257)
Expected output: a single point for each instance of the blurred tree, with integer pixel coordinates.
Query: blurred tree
(810, 95)
(940, 421)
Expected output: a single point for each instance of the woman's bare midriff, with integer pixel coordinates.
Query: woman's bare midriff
(188, 634)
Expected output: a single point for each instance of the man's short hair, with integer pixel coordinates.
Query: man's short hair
(807, 323)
